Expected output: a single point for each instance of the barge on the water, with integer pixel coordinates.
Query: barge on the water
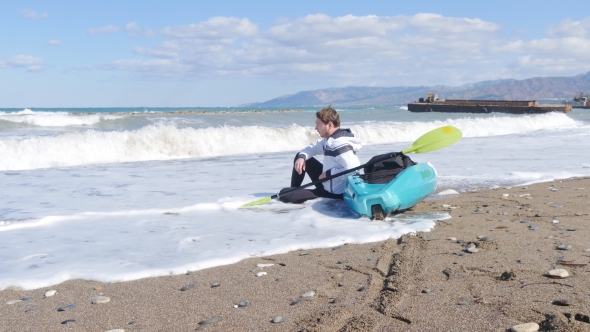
(433, 104)
(581, 102)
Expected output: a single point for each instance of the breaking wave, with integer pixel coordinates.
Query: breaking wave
(54, 119)
(166, 142)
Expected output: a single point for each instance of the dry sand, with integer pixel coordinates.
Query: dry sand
(422, 282)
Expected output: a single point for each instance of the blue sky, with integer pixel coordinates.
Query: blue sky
(224, 53)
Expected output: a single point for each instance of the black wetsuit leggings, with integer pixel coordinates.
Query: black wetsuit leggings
(313, 168)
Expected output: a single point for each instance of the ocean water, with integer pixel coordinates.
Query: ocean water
(123, 194)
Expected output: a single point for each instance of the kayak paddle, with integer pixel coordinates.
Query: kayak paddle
(435, 139)
(431, 141)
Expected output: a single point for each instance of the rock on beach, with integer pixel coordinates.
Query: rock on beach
(527, 327)
(100, 299)
(558, 273)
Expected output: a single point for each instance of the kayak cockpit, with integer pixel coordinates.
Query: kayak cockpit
(376, 201)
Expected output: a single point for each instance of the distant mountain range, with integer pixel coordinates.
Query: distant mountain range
(537, 88)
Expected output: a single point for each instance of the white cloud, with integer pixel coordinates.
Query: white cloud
(32, 15)
(569, 28)
(386, 50)
(438, 24)
(160, 67)
(221, 28)
(103, 30)
(529, 63)
(22, 61)
(54, 42)
(134, 31)
(321, 28)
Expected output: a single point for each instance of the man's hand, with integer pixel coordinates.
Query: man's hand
(323, 175)
(299, 165)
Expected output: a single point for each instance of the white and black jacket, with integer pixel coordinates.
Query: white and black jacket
(339, 152)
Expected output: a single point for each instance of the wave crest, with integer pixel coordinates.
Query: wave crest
(54, 119)
(165, 142)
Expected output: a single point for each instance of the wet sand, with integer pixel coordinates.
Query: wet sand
(420, 282)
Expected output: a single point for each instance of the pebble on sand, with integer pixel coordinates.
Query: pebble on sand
(264, 265)
(564, 247)
(50, 293)
(260, 274)
(13, 301)
(278, 319)
(187, 287)
(244, 304)
(558, 273)
(562, 302)
(66, 307)
(100, 299)
(116, 330)
(471, 248)
(527, 327)
(307, 295)
(210, 321)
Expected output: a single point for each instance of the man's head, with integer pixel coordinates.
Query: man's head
(327, 121)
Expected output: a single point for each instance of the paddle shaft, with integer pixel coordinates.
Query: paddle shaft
(387, 156)
(431, 141)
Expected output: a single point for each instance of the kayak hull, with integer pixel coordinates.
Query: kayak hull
(409, 187)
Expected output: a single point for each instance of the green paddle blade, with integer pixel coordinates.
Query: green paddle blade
(435, 139)
(258, 202)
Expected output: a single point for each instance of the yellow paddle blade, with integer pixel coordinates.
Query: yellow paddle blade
(258, 202)
(435, 139)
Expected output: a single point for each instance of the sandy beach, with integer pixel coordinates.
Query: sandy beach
(421, 282)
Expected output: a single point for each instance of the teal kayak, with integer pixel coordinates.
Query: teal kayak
(376, 201)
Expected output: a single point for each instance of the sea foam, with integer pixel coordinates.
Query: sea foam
(130, 245)
(166, 142)
(54, 119)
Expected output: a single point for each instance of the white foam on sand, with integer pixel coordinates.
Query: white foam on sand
(127, 245)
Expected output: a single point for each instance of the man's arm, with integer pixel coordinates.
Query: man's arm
(309, 151)
(345, 162)
(300, 165)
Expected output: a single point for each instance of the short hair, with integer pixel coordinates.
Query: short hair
(327, 115)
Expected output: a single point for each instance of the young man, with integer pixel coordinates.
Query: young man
(338, 146)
